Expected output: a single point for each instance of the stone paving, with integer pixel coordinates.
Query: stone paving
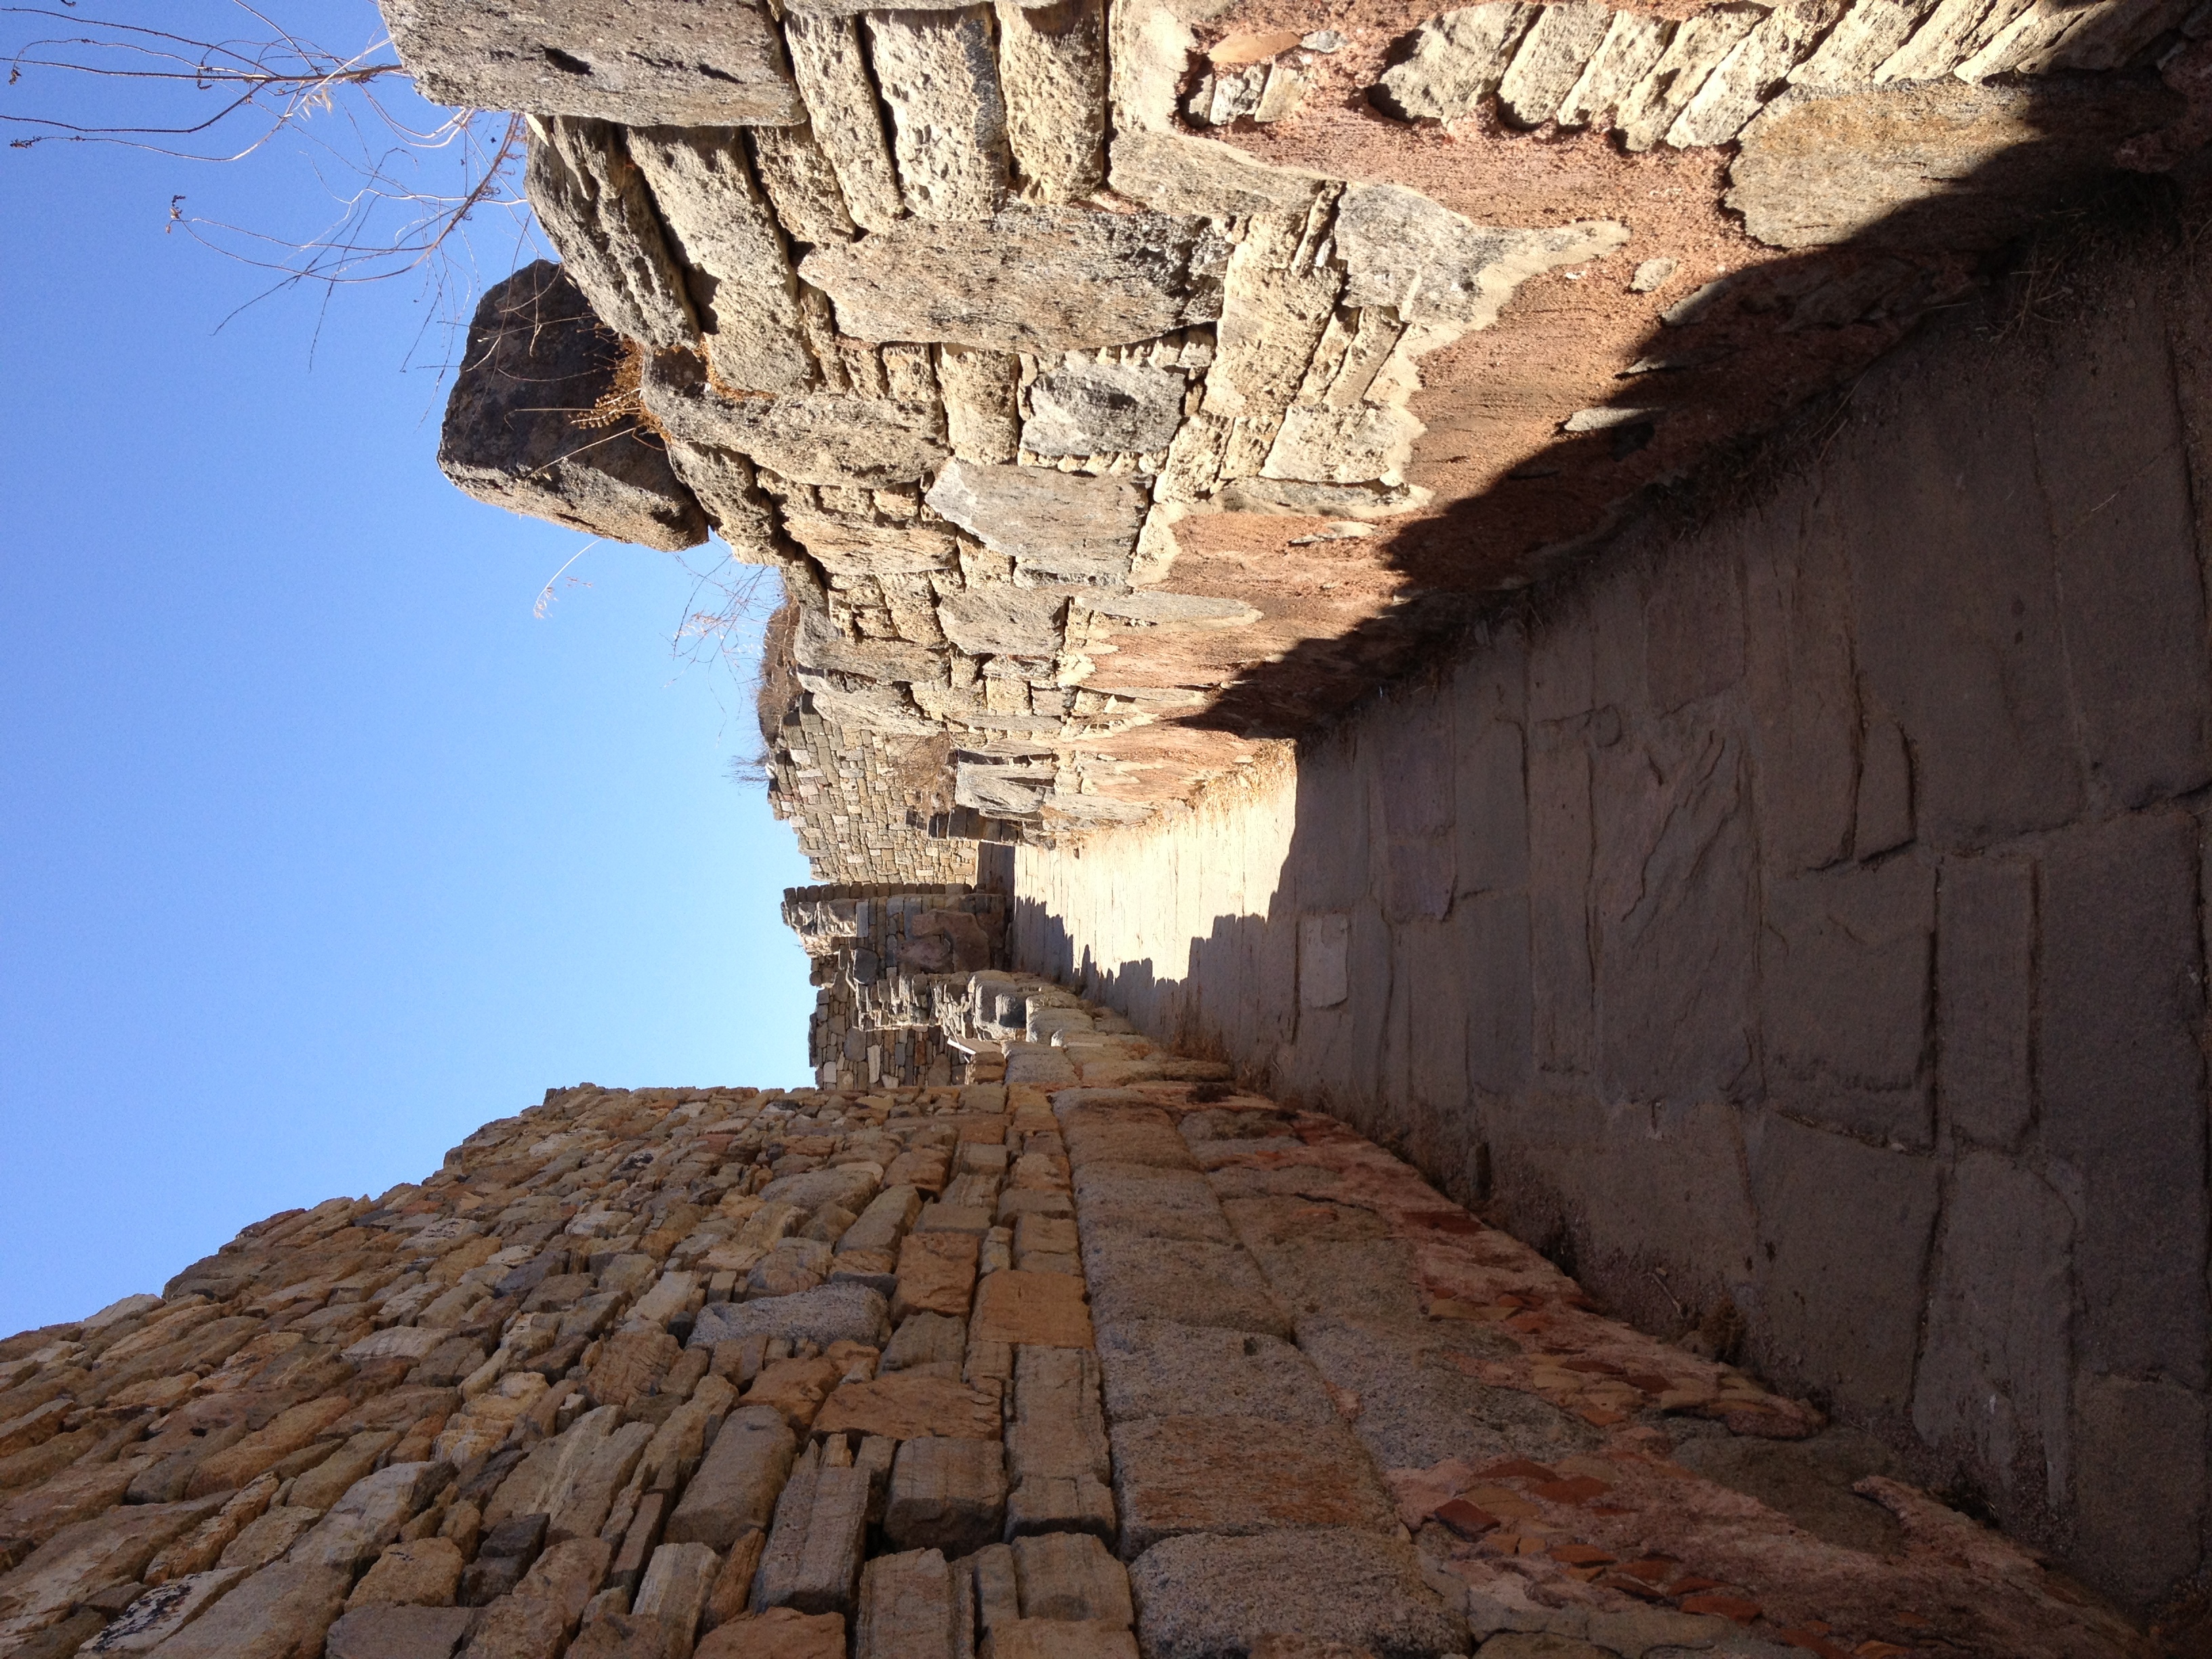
(1091, 1356)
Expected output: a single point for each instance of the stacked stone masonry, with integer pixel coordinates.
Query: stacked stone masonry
(949, 315)
(852, 800)
(1089, 1355)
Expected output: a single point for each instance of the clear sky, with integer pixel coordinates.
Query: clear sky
(318, 847)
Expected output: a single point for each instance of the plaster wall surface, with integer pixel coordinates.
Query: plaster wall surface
(1795, 925)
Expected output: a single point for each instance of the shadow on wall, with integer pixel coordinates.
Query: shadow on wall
(1794, 922)
(1845, 179)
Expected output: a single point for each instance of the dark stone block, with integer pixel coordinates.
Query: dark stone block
(1677, 935)
(2120, 1001)
(1984, 997)
(1494, 934)
(2139, 1484)
(1563, 986)
(398, 1633)
(1693, 625)
(1844, 1236)
(1803, 699)
(1994, 1385)
(536, 360)
(1846, 983)
(1414, 779)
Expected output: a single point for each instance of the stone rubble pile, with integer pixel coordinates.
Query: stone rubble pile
(1089, 1355)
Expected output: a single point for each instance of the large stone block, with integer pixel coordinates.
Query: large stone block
(642, 63)
(1845, 984)
(736, 1485)
(2139, 1483)
(1844, 1230)
(946, 1494)
(2120, 1002)
(537, 359)
(1199, 1597)
(1153, 1368)
(1065, 526)
(1086, 408)
(1237, 1475)
(1935, 163)
(1029, 279)
(815, 438)
(1995, 1374)
(833, 1313)
(282, 1610)
(1185, 1280)
(1985, 997)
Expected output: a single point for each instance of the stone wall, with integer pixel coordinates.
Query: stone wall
(1795, 923)
(854, 800)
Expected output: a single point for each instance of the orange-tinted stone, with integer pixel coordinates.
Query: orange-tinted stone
(1046, 1310)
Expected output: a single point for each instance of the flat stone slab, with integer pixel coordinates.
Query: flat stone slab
(1208, 1598)
(830, 1313)
(1182, 1280)
(1150, 1202)
(1155, 1368)
(1234, 1475)
(1046, 1310)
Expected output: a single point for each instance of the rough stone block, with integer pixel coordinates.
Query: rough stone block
(536, 355)
(2139, 1472)
(778, 1633)
(736, 1485)
(1086, 408)
(938, 80)
(642, 63)
(936, 1275)
(1236, 1475)
(1150, 1202)
(812, 1561)
(1063, 524)
(424, 1573)
(1155, 1368)
(1198, 1597)
(595, 207)
(946, 1494)
(1052, 63)
(542, 1614)
(906, 1406)
(1179, 1280)
(926, 1339)
(909, 1607)
(1046, 1310)
(1030, 279)
(833, 1313)
(1071, 1576)
(399, 1633)
(1984, 997)
(285, 1609)
(1045, 1638)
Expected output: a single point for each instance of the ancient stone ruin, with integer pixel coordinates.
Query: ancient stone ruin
(1505, 720)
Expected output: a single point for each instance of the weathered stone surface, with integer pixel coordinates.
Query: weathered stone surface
(1085, 408)
(1074, 1577)
(1936, 164)
(1239, 1475)
(1155, 1368)
(1732, 93)
(1633, 44)
(1047, 1639)
(905, 1405)
(1550, 59)
(425, 1572)
(1007, 622)
(1457, 61)
(642, 63)
(1052, 63)
(809, 438)
(1343, 446)
(537, 359)
(812, 1561)
(800, 182)
(1401, 249)
(282, 1612)
(736, 1487)
(729, 249)
(1060, 524)
(908, 1606)
(1029, 279)
(1182, 1281)
(399, 1633)
(596, 208)
(778, 1633)
(161, 1613)
(936, 1275)
(946, 1494)
(543, 1612)
(1699, 44)
(676, 1588)
(832, 71)
(1200, 1596)
(939, 81)
(1046, 1310)
(978, 391)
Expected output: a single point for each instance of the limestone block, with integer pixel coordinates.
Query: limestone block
(426, 1573)
(1457, 61)
(1073, 1576)
(736, 1487)
(595, 208)
(1003, 791)
(536, 357)
(1157, 1368)
(1343, 446)
(281, 1611)
(1085, 408)
(323, 1485)
(1401, 249)
(779, 1633)
(398, 1633)
(909, 1405)
(1030, 279)
(1232, 1475)
(936, 1275)
(268, 1535)
(812, 1561)
(1279, 302)
(590, 1490)
(1633, 43)
(154, 1617)
(909, 1609)
(928, 1342)
(796, 173)
(370, 1516)
(543, 1612)
(1005, 621)
(796, 1388)
(867, 708)
(1200, 1595)
(1951, 32)
(854, 550)
(631, 1363)
(979, 391)
(946, 1494)
(938, 77)
(640, 62)
(1551, 58)
(1700, 44)
(1863, 39)
(794, 1265)
(726, 242)
(884, 1222)
(1057, 524)
(1052, 63)
(676, 1587)
(1732, 93)
(832, 71)
(810, 438)
(1935, 164)
(1046, 1638)
(1015, 1307)
(1190, 1282)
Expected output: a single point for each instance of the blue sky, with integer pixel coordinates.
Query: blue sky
(318, 847)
